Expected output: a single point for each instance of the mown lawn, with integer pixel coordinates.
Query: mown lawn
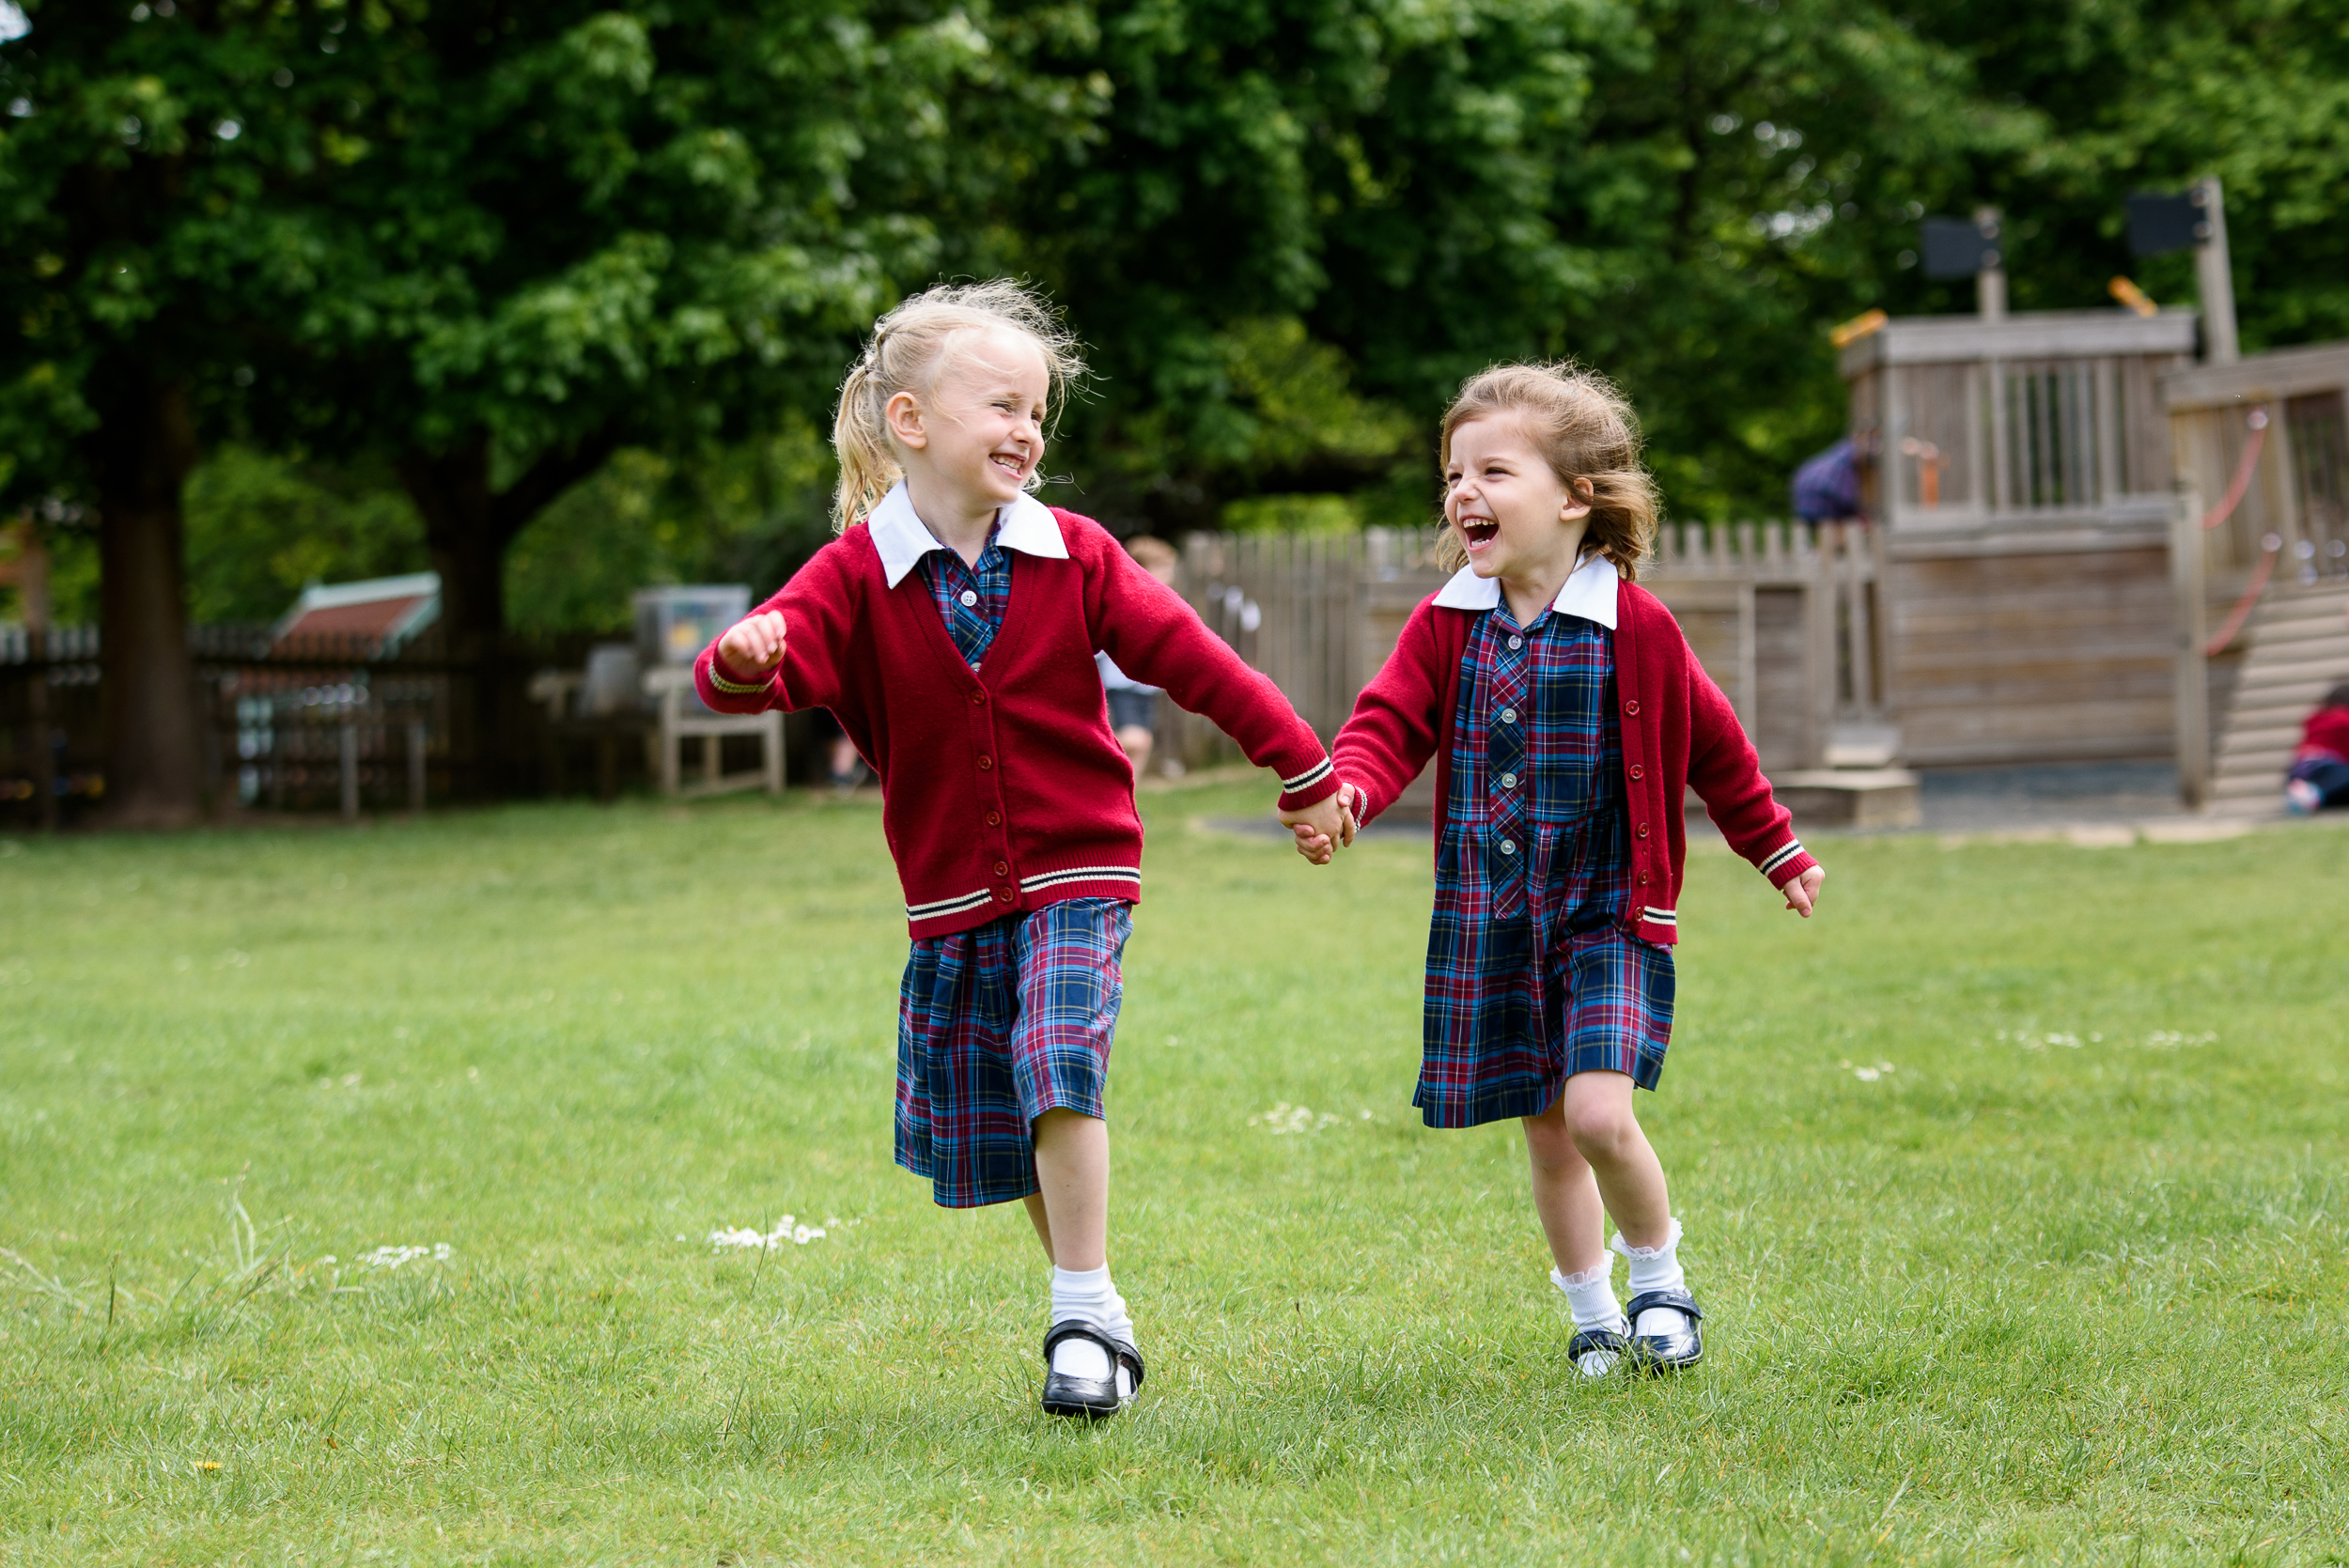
(2059, 1278)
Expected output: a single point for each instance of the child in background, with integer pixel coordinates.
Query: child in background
(1567, 717)
(951, 629)
(1133, 705)
(2319, 775)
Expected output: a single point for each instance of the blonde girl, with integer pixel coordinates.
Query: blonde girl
(951, 629)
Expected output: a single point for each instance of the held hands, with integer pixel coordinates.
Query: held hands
(1802, 893)
(1322, 828)
(753, 647)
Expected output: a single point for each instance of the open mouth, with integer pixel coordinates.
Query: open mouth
(1015, 466)
(1476, 533)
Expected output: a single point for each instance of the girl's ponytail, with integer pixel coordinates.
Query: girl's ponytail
(860, 435)
(908, 347)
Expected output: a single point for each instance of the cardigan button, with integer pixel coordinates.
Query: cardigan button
(994, 819)
(985, 763)
(977, 697)
(1638, 772)
(1643, 878)
(1002, 896)
(1632, 707)
(1002, 868)
(1643, 829)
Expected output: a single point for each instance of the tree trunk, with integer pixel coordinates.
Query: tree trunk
(140, 455)
(468, 527)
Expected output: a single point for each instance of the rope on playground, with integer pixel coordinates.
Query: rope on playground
(2270, 547)
(2242, 483)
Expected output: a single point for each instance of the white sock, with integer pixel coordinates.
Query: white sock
(1087, 1295)
(1592, 1296)
(1656, 1268)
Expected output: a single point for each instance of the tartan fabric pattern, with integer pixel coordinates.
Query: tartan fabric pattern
(970, 598)
(1533, 973)
(997, 1025)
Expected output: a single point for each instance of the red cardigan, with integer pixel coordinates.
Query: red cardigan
(1003, 791)
(1678, 730)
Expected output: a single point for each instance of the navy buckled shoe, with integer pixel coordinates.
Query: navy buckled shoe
(1089, 1397)
(1666, 1352)
(1597, 1352)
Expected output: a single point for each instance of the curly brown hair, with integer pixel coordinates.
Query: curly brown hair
(1586, 430)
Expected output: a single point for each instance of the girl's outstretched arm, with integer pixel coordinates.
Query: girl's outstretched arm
(1156, 637)
(787, 653)
(1726, 773)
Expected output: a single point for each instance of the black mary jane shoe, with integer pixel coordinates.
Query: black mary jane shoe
(1611, 1347)
(1666, 1352)
(1089, 1397)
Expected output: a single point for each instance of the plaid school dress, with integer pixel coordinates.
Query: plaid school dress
(1000, 1024)
(1533, 972)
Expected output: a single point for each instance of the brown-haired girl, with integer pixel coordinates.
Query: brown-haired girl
(1567, 717)
(951, 629)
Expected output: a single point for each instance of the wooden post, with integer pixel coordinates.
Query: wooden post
(2192, 697)
(31, 577)
(415, 765)
(351, 769)
(2214, 276)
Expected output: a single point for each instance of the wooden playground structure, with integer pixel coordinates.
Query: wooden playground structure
(2081, 545)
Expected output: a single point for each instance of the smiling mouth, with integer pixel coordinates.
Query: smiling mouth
(1013, 466)
(1478, 532)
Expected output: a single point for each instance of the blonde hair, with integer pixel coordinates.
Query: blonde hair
(1590, 437)
(904, 354)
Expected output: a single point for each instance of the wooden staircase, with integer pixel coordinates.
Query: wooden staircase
(2297, 649)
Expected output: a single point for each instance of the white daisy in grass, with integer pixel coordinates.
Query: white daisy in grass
(1867, 1073)
(789, 1231)
(401, 1257)
(1285, 1118)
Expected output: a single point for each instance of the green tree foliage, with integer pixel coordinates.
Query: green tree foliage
(261, 528)
(488, 246)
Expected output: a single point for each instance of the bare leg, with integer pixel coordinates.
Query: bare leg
(1565, 1193)
(1072, 1167)
(1630, 1179)
(1137, 740)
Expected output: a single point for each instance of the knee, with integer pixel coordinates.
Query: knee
(1602, 1130)
(1548, 1142)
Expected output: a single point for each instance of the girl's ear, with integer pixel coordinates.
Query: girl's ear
(903, 415)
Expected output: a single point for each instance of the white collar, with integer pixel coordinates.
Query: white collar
(903, 539)
(1589, 592)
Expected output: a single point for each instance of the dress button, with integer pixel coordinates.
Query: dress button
(1632, 707)
(1508, 847)
(1638, 772)
(994, 819)
(969, 598)
(985, 763)
(1508, 715)
(1002, 868)
(1516, 643)
(1643, 829)
(1508, 781)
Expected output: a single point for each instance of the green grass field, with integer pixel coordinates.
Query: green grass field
(2013, 1187)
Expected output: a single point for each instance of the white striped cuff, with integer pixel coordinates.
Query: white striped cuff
(1306, 779)
(1793, 848)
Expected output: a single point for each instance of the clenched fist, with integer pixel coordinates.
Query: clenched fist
(753, 647)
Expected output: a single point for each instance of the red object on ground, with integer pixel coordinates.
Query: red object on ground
(1678, 730)
(1003, 789)
(2325, 733)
